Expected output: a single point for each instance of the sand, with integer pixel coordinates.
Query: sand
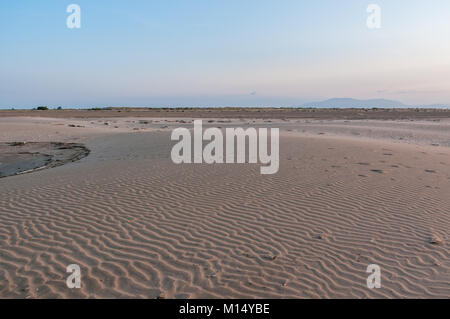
(348, 194)
(25, 157)
(238, 113)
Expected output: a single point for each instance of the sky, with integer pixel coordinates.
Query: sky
(222, 53)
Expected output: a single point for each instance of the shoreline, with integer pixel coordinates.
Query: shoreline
(239, 113)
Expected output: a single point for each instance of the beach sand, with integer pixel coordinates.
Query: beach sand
(349, 193)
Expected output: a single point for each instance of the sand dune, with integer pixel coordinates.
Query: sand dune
(140, 226)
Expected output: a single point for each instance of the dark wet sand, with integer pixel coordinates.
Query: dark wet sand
(20, 157)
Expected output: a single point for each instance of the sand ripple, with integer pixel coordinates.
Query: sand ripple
(140, 226)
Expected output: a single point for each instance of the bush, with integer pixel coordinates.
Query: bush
(42, 108)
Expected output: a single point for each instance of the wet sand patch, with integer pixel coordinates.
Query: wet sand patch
(22, 157)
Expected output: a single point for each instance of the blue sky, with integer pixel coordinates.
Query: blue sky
(222, 53)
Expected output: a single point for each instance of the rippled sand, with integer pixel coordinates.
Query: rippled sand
(348, 194)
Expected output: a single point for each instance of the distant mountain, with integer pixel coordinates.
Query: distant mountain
(354, 103)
